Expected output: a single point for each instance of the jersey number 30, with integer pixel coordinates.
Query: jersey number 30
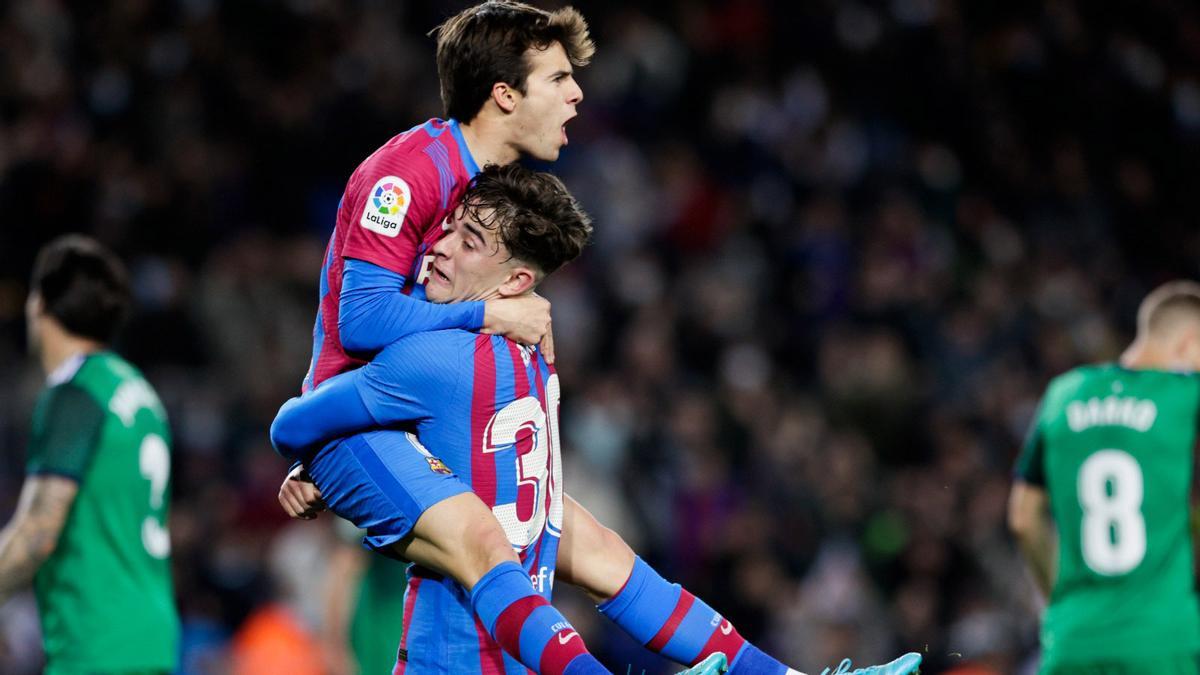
(533, 430)
(1113, 532)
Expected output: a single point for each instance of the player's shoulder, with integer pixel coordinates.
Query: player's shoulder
(94, 375)
(432, 350)
(437, 338)
(66, 402)
(407, 155)
(1068, 385)
(1105, 375)
(1077, 377)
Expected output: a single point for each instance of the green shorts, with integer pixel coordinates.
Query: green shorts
(1176, 664)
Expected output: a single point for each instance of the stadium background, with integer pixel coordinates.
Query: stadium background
(840, 248)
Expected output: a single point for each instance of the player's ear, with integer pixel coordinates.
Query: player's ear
(521, 279)
(1188, 347)
(505, 97)
(33, 305)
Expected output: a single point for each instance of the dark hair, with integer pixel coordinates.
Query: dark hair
(83, 286)
(532, 213)
(486, 44)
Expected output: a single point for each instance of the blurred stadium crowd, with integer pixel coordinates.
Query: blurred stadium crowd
(840, 249)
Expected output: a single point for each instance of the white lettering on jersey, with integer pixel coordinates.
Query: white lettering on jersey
(424, 270)
(130, 397)
(1111, 411)
(387, 203)
(541, 578)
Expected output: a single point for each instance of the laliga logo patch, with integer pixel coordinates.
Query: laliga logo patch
(386, 205)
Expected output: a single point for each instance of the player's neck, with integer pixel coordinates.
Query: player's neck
(484, 136)
(1145, 354)
(58, 346)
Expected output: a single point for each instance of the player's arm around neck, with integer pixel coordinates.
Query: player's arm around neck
(32, 534)
(1030, 522)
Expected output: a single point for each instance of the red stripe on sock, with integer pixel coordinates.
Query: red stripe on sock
(559, 652)
(665, 633)
(729, 643)
(512, 619)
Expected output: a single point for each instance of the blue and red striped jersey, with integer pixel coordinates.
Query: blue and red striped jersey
(390, 215)
(488, 408)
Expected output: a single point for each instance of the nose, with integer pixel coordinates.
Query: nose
(575, 94)
(442, 248)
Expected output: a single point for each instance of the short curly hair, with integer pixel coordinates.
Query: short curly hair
(486, 44)
(532, 213)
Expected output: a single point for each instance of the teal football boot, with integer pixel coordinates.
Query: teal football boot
(715, 664)
(909, 663)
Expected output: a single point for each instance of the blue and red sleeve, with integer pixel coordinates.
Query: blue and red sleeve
(374, 311)
(401, 385)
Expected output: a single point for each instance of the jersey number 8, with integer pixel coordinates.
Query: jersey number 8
(1113, 533)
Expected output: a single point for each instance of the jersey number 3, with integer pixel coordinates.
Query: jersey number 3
(1113, 533)
(154, 460)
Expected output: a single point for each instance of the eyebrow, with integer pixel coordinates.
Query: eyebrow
(473, 230)
(560, 73)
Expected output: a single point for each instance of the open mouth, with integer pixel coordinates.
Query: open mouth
(564, 130)
(441, 276)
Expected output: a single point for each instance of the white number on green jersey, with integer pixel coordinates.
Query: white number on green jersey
(1113, 532)
(154, 459)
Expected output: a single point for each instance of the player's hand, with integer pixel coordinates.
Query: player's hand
(524, 319)
(546, 346)
(299, 495)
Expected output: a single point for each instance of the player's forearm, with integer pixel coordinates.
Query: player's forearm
(333, 410)
(23, 549)
(1038, 546)
(373, 312)
(32, 535)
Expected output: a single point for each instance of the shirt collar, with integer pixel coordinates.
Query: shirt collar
(468, 161)
(66, 370)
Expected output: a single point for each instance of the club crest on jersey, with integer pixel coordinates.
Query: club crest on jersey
(386, 205)
(438, 466)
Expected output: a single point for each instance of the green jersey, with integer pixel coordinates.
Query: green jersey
(378, 621)
(1113, 448)
(105, 595)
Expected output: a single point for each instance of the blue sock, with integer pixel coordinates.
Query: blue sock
(527, 626)
(670, 621)
(754, 660)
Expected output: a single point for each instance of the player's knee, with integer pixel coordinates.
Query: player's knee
(599, 563)
(611, 546)
(488, 543)
(467, 539)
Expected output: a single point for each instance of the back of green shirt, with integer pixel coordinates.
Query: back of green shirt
(1113, 448)
(105, 594)
(378, 621)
